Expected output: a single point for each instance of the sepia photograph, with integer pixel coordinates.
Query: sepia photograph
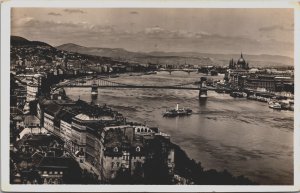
(158, 95)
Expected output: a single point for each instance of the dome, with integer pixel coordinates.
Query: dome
(241, 60)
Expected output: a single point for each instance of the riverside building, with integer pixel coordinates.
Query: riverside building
(102, 140)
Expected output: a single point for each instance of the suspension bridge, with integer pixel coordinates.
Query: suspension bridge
(170, 70)
(105, 83)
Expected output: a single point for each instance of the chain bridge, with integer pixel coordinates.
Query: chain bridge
(105, 83)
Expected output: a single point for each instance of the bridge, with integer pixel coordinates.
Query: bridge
(170, 70)
(105, 83)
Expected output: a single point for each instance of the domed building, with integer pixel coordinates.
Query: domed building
(240, 64)
(237, 73)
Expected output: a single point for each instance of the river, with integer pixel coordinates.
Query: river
(242, 136)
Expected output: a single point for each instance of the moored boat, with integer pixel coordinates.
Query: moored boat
(150, 72)
(274, 105)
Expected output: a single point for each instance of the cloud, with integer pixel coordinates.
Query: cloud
(58, 27)
(276, 27)
(54, 14)
(134, 12)
(155, 30)
(22, 21)
(162, 33)
(147, 39)
(74, 11)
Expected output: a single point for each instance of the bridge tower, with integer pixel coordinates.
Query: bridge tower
(94, 90)
(203, 88)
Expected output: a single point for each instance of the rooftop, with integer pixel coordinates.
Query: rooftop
(66, 115)
(86, 117)
(53, 109)
(31, 119)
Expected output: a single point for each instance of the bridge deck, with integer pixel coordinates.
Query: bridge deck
(135, 86)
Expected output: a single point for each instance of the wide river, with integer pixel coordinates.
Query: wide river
(242, 136)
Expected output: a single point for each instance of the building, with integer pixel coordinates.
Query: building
(50, 118)
(270, 83)
(33, 85)
(53, 169)
(237, 73)
(240, 64)
(129, 148)
(66, 127)
(31, 121)
(100, 137)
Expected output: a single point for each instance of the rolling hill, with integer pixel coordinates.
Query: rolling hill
(194, 58)
(20, 41)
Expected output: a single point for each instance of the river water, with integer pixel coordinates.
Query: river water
(242, 136)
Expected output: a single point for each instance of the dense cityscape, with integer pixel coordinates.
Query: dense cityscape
(57, 140)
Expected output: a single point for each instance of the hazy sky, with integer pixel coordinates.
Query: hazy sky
(253, 31)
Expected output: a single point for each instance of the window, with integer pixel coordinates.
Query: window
(112, 164)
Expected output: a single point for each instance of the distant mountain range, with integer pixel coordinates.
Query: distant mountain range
(170, 58)
(178, 57)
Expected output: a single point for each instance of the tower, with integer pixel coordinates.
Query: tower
(202, 89)
(241, 63)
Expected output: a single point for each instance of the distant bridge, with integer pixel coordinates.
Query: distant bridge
(170, 70)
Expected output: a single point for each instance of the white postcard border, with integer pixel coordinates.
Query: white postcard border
(5, 79)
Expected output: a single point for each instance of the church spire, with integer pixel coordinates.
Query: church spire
(242, 55)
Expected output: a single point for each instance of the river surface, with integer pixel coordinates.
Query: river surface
(242, 136)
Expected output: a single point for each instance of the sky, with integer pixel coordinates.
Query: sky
(204, 30)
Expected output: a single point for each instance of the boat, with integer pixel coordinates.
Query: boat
(177, 112)
(238, 94)
(274, 105)
(114, 76)
(150, 72)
